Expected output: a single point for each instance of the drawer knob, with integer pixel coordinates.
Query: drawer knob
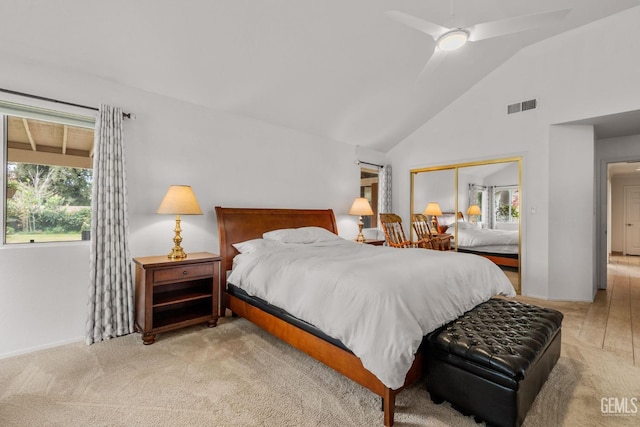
(185, 272)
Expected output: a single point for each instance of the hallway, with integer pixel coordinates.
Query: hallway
(612, 322)
(617, 309)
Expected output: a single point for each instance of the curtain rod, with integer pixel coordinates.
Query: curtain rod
(372, 164)
(42, 98)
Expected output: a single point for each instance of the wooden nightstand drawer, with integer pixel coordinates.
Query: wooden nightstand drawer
(182, 273)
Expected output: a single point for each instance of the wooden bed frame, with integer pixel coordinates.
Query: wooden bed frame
(498, 259)
(240, 224)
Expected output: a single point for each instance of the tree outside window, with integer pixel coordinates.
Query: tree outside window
(507, 205)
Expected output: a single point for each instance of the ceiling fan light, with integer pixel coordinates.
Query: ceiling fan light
(453, 40)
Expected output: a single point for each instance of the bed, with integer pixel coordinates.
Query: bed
(500, 246)
(307, 328)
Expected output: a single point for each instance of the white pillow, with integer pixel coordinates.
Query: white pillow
(253, 245)
(465, 225)
(301, 235)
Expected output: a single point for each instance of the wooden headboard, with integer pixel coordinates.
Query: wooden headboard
(240, 224)
(446, 219)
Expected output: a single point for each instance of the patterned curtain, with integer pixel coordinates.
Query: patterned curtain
(384, 190)
(492, 208)
(110, 307)
(474, 191)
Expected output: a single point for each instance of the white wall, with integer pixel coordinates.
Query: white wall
(585, 73)
(229, 161)
(571, 213)
(505, 176)
(434, 186)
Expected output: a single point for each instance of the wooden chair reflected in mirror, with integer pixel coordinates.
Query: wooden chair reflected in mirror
(394, 233)
(440, 242)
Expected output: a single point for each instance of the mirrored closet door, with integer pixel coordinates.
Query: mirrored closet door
(479, 205)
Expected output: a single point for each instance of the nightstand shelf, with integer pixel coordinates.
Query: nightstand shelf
(181, 295)
(172, 294)
(181, 317)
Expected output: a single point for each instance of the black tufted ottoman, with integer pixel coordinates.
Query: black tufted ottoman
(492, 361)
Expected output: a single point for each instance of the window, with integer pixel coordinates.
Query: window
(47, 159)
(478, 196)
(506, 204)
(369, 190)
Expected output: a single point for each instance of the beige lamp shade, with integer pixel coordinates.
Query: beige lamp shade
(180, 200)
(361, 207)
(433, 209)
(474, 210)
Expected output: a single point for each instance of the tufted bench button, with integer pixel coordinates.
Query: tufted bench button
(505, 354)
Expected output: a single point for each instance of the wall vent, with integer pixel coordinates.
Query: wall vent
(513, 108)
(522, 106)
(529, 105)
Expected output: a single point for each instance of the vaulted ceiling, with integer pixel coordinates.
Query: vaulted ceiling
(340, 69)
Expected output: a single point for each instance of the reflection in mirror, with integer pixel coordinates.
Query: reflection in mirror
(491, 192)
(486, 197)
(437, 186)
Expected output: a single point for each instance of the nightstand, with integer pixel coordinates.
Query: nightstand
(374, 242)
(444, 241)
(172, 294)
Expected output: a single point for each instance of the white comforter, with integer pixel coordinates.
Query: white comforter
(486, 237)
(378, 301)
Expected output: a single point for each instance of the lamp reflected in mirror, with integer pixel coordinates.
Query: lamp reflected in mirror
(433, 210)
(474, 213)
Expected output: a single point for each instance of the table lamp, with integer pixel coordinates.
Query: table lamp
(179, 200)
(433, 210)
(473, 212)
(360, 207)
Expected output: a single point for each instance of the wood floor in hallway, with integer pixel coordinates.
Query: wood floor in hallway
(612, 321)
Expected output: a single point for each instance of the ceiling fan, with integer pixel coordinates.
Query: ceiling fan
(449, 39)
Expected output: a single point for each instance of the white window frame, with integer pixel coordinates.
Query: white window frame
(65, 115)
(511, 190)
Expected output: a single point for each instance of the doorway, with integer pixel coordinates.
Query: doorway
(622, 180)
(631, 227)
(617, 140)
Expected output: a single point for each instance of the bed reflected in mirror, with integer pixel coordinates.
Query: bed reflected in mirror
(480, 204)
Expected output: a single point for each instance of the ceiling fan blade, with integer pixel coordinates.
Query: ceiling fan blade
(513, 25)
(433, 62)
(434, 30)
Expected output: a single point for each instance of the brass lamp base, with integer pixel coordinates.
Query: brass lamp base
(434, 225)
(360, 238)
(177, 252)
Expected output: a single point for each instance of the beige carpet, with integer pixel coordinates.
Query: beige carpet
(236, 375)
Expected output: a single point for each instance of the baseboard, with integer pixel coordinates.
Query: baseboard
(40, 347)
